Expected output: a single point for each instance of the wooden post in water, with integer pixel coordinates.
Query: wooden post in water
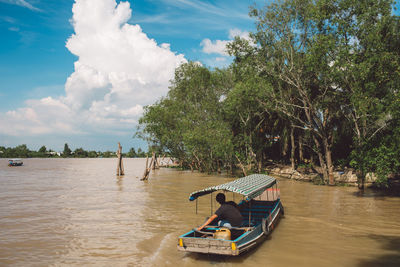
(155, 161)
(120, 165)
(148, 168)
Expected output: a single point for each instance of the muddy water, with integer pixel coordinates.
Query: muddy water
(74, 212)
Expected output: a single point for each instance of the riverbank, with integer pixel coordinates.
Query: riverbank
(346, 177)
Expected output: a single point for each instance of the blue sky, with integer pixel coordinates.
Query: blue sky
(80, 72)
(35, 65)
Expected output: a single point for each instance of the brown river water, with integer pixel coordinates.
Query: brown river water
(77, 212)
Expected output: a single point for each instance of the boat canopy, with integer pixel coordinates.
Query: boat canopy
(250, 186)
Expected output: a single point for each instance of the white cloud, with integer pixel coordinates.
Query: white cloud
(42, 116)
(118, 71)
(238, 33)
(219, 46)
(220, 57)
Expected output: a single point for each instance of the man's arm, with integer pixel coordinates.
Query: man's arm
(208, 222)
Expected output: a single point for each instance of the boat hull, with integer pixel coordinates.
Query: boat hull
(209, 246)
(249, 239)
(14, 164)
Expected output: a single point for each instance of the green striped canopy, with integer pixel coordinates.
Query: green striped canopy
(250, 186)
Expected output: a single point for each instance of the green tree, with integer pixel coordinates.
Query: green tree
(108, 154)
(371, 80)
(297, 46)
(287, 95)
(80, 153)
(67, 151)
(255, 122)
(21, 151)
(141, 153)
(92, 154)
(188, 123)
(131, 153)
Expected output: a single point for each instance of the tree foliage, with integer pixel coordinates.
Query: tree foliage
(188, 123)
(317, 83)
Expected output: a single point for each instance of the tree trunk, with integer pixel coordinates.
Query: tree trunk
(301, 155)
(329, 164)
(191, 166)
(361, 172)
(285, 147)
(251, 158)
(293, 149)
(154, 160)
(361, 180)
(321, 160)
(198, 162)
(241, 166)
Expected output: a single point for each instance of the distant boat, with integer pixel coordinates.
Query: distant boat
(261, 212)
(15, 162)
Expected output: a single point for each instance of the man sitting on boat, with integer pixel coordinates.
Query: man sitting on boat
(228, 214)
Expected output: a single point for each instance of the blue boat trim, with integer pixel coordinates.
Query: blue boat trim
(242, 236)
(259, 217)
(188, 233)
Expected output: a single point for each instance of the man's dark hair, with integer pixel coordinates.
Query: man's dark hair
(220, 198)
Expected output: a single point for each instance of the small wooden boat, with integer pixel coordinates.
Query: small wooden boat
(261, 209)
(15, 162)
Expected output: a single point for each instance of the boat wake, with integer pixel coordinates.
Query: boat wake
(161, 247)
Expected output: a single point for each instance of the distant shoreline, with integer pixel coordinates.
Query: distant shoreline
(22, 151)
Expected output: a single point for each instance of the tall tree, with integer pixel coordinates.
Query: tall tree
(43, 149)
(368, 69)
(188, 123)
(67, 151)
(296, 48)
(132, 153)
(253, 125)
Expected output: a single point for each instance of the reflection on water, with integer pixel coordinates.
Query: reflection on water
(120, 179)
(78, 212)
